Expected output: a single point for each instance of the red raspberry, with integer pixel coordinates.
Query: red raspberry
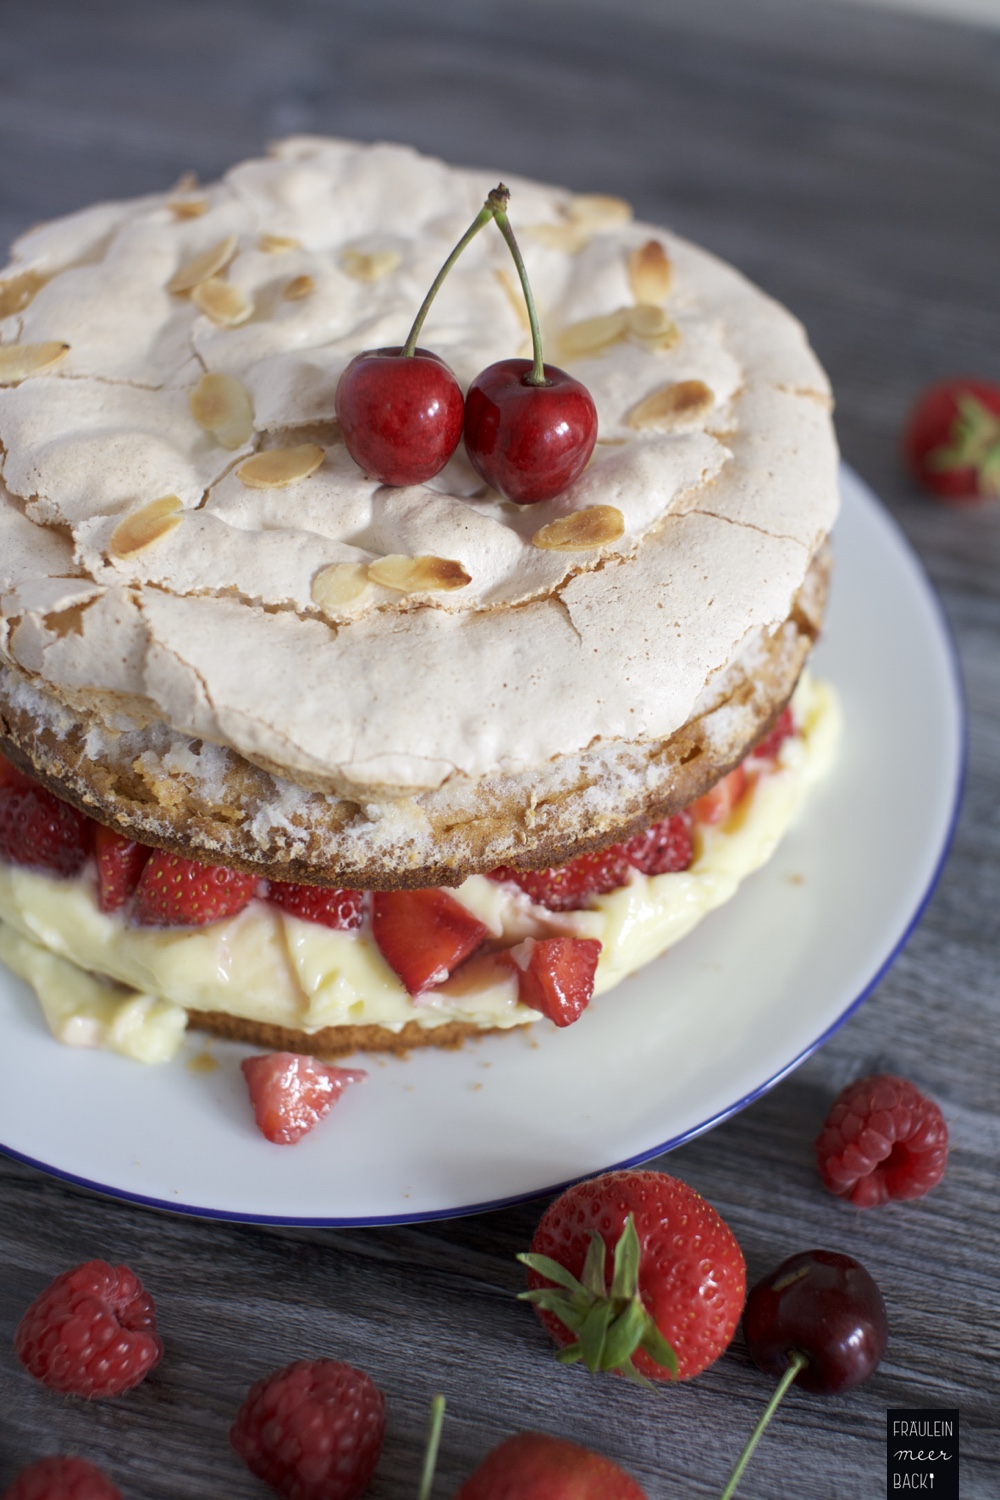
(312, 1431)
(62, 1479)
(91, 1332)
(882, 1139)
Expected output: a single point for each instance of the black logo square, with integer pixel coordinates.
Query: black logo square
(922, 1451)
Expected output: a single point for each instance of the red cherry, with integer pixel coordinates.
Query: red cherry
(824, 1306)
(528, 441)
(400, 415)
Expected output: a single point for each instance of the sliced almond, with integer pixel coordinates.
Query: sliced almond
(650, 272)
(276, 467)
(583, 531)
(567, 236)
(18, 361)
(591, 335)
(222, 406)
(17, 292)
(190, 207)
(144, 527)
(599, 211)
(651, 326)
(338, 584)
(515, 296)
(418, 575)
(670, 405)
(224, 303)
(299, 287)
(209, 263)
(278, 244)
(370, 265)
(187, 182)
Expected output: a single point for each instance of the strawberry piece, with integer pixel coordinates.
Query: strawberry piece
(120, 862)
(768, 747)
(424, 935)
(178, 892)
(534, 1466)
(290, 1094)
(677, 1272)
(664, 848)
(952, 440)
(717, 804)
(556, 975)
(343, 910)
(37, 829)
(569, 887)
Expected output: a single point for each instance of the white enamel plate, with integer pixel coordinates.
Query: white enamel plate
(674, 1050)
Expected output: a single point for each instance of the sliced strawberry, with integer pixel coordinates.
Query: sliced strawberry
(569, 887)
(343, 910)
(424, 934)
(178, 892)
(556, 975)
(664, 848)
(768, 747)
(38, 829)
(290, 1094)
(120, 862)
(717, 804)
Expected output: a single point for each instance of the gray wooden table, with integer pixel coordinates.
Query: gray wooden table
(848, 160)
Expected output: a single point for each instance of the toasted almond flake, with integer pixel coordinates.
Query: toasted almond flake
(144, 527)
(417, 575)
(583, 531)
(17, 292)
(278, 244)
(650, 272)
(276, 467)
(187, 182)
(299, 287)
(593, 334)
(599, 211)
(515, 296)
(209, 263)
(370, 265)
(222, 406)
(338, 584)
(18, 361)
(670, 405)
(650, 325)
(188, 208)
(567, 236)
(224, 303)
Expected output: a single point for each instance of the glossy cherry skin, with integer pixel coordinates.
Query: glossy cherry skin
(401, 416)
(827, 1307)
(528, 441)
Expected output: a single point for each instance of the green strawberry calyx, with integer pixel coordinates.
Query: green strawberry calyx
(973, 443)
(609, 1325)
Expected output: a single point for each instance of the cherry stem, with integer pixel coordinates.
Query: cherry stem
(485, 214)
(537, 376)
(796, 1362)
(431, 1451)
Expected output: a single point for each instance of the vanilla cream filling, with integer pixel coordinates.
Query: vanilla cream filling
(104, 982)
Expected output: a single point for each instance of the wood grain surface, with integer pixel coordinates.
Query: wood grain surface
(847, 159)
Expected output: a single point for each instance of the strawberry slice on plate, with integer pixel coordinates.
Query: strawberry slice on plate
(291, 1093)
(178, 892)
(424, 935)
(556, 975)
(120, 862)
(342, 910)
(38, 829)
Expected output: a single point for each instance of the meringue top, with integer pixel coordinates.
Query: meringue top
(184, 537)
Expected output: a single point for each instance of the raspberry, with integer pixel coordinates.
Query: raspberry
(91, 1332)
(62, 1479)
(312, 1431)
(882, 1139)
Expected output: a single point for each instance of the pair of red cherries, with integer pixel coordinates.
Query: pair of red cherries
(529, 427)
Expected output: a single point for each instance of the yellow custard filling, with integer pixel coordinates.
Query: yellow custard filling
(104, 982)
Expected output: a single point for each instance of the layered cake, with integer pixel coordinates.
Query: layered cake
(324, 763)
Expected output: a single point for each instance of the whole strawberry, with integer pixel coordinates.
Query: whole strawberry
(676, 1288)
(951, 443)
(91, 1333)
(532, 1466)
(312, 1431)
(62, 1479)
